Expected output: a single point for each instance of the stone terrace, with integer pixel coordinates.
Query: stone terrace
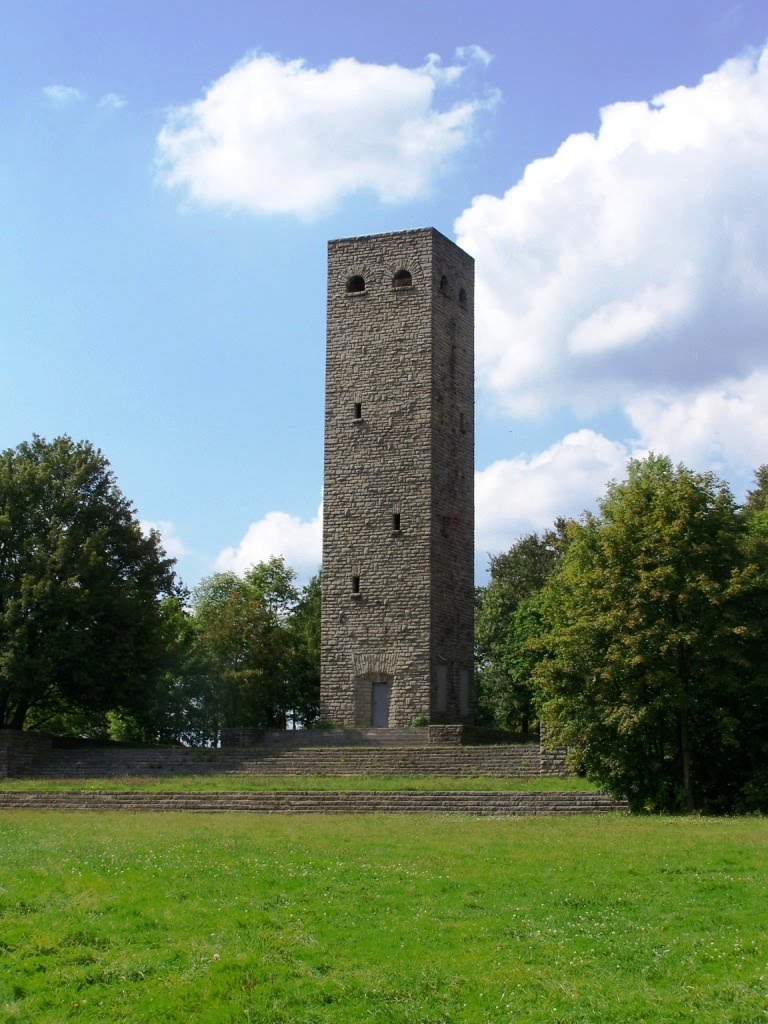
(523, 761)
(364, 752)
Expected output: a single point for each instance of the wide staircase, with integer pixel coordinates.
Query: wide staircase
(513, 761)
(485, 804)
(321, 752)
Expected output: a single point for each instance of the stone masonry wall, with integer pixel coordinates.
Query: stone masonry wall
(452, 612)
(398, 430)
(19, 750)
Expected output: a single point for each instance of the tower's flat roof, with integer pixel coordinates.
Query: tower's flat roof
(392, 234)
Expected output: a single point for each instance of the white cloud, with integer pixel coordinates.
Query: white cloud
(112, 101)
(172, 543)
(473, 54)
(633, 260)
(723, 428)
(515, 496)
(299, 541)
(274, 136)
(62, 95)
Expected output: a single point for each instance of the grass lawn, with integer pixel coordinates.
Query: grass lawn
(259, 783)
(428, 920)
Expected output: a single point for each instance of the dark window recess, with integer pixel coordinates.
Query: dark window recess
(444, 284)
(355, 584)
(355, 284)
(462, 297)
(358, 410)
(444, 525)
(402, 279)
(396, 521)
(462, 423)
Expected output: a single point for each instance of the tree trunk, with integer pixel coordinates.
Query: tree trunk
(684, 672)
(20, 713)
(685, 760)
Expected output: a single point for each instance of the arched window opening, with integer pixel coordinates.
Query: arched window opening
(462, 297)
(402, 279)
(355, 284)
(444, 284)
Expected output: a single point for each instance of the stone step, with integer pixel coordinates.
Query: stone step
(523, 761)
(290, 739)
(314, 802)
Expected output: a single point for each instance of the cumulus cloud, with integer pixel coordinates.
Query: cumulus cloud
(515, 496)
(723, 428)
(62, 95)
(172, 543)
(632, 260)
(299, 541)
(279, 136)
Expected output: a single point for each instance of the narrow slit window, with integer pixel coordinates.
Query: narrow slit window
(444, 284)
(462, 423)
(396, 522)
(444, 525)
(462, 297)
(355, 584)
(358, 410)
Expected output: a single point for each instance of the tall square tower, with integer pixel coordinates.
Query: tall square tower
(398, 507)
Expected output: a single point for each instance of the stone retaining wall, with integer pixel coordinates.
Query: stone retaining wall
(19, 750)
(522, 761)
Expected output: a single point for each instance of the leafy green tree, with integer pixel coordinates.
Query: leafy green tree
(303, 689)
(181, 707)
(81, 625)
(244, 629)
(644, 664)
(506, 622)
(754, 730)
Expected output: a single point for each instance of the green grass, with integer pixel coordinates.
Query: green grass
(151, 919)
(259, 783)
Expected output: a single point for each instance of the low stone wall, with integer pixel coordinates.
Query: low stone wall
(553, 761)
(446, 735)
(240, 737)
(486, 804)
(19, 750)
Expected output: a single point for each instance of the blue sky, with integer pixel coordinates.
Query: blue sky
(171, 172)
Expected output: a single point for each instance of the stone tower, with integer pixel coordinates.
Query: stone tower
(398, 519)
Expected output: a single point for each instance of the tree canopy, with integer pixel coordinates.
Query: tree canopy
(653, 620)
(506, 619)
(81, 622)
(261, 637)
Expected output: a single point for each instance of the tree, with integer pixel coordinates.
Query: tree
(81, 624)
(649, 620)
(181, 706)
(243, 623)
(754, 732)
(506, 621)
(303, 690)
